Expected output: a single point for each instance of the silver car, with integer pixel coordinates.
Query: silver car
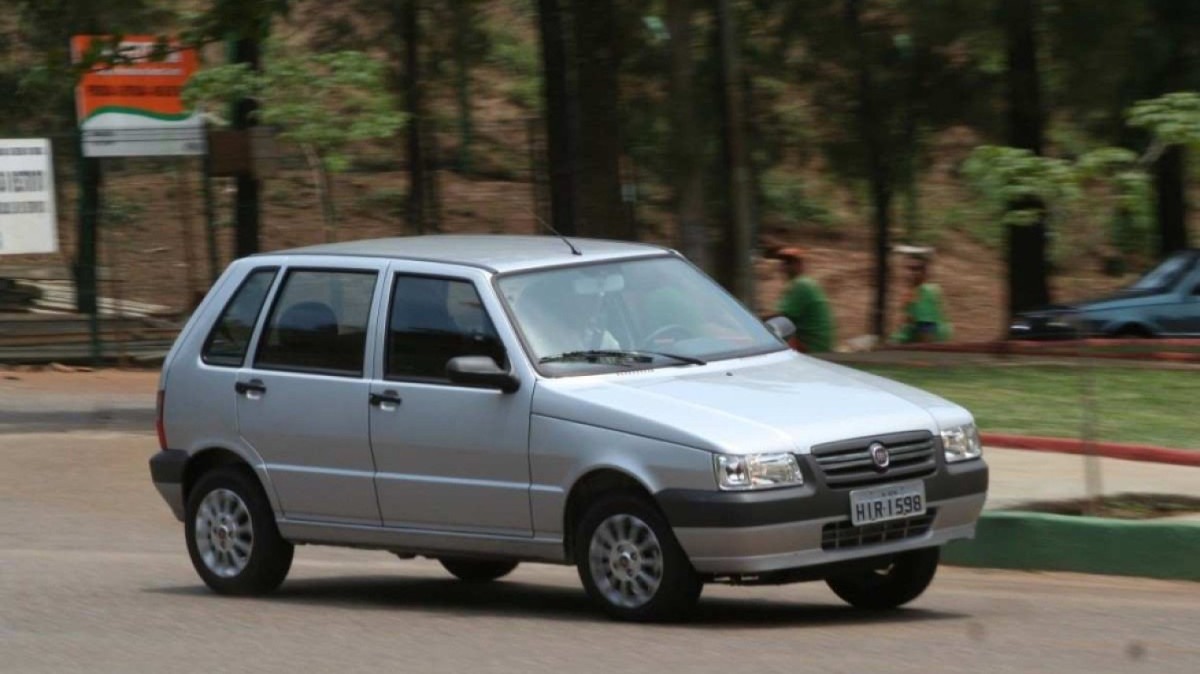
(489, 400)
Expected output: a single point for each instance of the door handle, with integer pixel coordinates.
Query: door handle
(252, 386)
(382, 400)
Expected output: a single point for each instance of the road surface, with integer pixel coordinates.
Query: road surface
(94, 577)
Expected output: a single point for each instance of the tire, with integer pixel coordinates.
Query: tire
(478, 570)
(630, 563)
(902, 581)
(231, 497)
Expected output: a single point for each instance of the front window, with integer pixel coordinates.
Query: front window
(617, 316)
(1166, 274)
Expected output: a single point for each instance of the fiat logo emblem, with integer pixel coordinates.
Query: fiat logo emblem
(879, 456)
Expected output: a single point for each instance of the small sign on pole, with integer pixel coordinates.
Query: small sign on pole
(134, 106)
(28, 221)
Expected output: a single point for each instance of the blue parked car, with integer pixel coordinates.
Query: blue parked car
(1165, 302)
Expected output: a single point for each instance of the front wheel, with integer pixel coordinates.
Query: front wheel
(477, 570)
(232, 538)
(630, 563)
(891, 585)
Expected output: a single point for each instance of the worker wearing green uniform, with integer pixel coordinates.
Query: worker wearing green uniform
(805, 305)
(925, 319)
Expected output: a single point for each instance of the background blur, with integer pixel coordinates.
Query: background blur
(725, 128)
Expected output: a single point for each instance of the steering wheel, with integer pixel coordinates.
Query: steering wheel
(676, 329)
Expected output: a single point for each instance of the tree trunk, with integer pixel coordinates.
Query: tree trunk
(879, 170)
(741, 236)
(1170, 183)
(462, 85)
(687, 156)
(560, 129)
(1027, 274)
(246, 212)
(409, 11)
(600, 210)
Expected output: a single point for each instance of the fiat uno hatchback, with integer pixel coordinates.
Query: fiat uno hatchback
(490, 400)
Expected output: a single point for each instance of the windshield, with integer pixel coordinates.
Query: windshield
(617, 316)
(1166, 274)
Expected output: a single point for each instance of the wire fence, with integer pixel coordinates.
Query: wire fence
(165, 228)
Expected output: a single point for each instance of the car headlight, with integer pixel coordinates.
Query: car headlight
(757, 471)
(961, 443)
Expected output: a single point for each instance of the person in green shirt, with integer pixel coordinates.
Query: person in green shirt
(924, 316)
(805, 304)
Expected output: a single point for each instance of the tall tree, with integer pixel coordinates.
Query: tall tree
(1027, 273)
(740, 230)
(408, 27)
(598, 60)
(1177, 24)
(687, 146)
(560, 128)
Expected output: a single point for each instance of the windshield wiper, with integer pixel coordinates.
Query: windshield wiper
(592, 355)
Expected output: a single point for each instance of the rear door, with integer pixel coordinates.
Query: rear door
(302, 399)
(450, 457)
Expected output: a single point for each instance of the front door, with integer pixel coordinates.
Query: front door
(449, 457)
(302, 400)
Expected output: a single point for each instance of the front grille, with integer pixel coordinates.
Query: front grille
(847, 464)
(842, 535)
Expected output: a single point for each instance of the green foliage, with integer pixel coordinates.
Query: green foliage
(785, 198)
(1173, 119)
(386, 202)
(1019, 186)
(518, 57)
(1128, 193)
(322, 102)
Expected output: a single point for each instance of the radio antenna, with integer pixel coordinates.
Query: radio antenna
(543, 223)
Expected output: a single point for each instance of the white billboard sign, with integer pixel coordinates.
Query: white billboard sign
(28, 219)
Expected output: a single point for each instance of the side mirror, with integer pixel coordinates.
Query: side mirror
(481, 371)
(781, 326)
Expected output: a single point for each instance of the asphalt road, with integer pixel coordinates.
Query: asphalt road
(94, 577)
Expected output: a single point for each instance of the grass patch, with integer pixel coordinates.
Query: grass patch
(1148, 406)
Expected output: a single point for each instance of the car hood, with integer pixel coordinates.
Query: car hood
(1116, 300)
(777, 402)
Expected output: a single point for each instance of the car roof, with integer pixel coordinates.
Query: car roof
(494, 252)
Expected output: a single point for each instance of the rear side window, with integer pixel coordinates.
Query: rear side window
(319, 323)
(433, 320)
(230, 336)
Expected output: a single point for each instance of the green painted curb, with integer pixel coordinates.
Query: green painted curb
(1039, 541)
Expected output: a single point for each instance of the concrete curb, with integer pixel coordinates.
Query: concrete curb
(1109, 450)
(1044, 542)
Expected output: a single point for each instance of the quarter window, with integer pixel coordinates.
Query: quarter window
(434, 320)
(230, 335)
(319, 323)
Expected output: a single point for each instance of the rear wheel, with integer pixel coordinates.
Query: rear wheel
(477, 570)
(891, 585)
(630, 563)
(232, 538)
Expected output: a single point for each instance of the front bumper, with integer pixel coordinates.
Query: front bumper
(166, 469)
(746, 533)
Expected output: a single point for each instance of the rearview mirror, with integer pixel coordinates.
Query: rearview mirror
(481, 371)
(781, 326)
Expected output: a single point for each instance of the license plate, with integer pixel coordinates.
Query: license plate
(893, 502)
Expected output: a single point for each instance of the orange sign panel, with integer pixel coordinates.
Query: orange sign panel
(131, 104)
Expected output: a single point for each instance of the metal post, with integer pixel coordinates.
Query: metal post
(210, 218)
(87, 174)
(1092, 474)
